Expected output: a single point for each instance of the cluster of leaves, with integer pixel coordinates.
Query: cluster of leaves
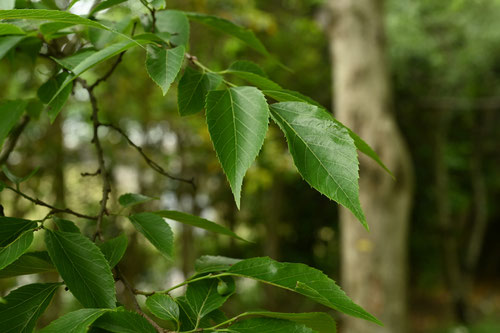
(324, 151)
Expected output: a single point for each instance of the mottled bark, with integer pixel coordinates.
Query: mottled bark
(373, 263)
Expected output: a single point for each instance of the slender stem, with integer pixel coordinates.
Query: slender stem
(54, 210)
(188, 281)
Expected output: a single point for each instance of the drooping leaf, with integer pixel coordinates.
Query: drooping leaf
(83, 267)
(290, 276)
(203, 296)
(49, 15)
(74, 322)
(237, 120)
(28, 263)
(114, 249)
(105, 5)
(323, 152)
(317, 321)
(24, 305)
(132, 199)
(10, 112)
(196, 221)
(122, 321)
(162, 38)
(55, 94)
(93, 60)
(65, 225)
(156, 230)
(7, 43)
(12, 251)
(209, 264)
(163, 65)
(192, 90)
(73, 60)
(269, 325)
(174, 22)
(47, 29)
(10, 29)
(228, 27)
(12, 227)
(163, 307)
(248, 72)
(34, 108)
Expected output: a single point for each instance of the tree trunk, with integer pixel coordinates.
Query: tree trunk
(373, 263)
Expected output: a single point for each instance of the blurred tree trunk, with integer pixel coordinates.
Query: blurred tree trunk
(373, 263)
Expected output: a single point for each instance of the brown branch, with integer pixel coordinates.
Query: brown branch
(106, 184)
(108, 73)
(155, 166)
(138, 309)
(14, 136)
(54, 210)
(91, 174)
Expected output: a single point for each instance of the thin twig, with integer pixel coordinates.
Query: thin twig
(14, 136)
(108, 73)
(91, 174)
(155, 166)
(54, 210)
(106, 184)
(138, 309)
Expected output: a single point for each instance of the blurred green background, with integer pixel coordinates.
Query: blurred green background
(444, 59)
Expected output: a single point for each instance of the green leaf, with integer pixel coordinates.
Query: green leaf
(174, 22)
(163, 65)
(12, 251)
(10, 112)
(114, 249)
(24, 305)
(83, 268)
(74, 322)
(162, 38)
(203, 297)
(290, 276)
(163, 307)
(10, 29)
(237, 120)
(50, 28)
(34, 108)
(105, 5)
(323, 152)
(49, 15)
(132, 199)
(93, 60)
(73, 60)
(198, 222)
(28, 263)
(247, 72)
(65, 225)
(228, 27)
(99, 38)
(192, 90)
(11, 228)
(247, 66)
(7, 43)
(209, 264)
(318, 321)
(122, 321)
(284, 95)
(156, 230)
(55, 94)
(269, 325)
